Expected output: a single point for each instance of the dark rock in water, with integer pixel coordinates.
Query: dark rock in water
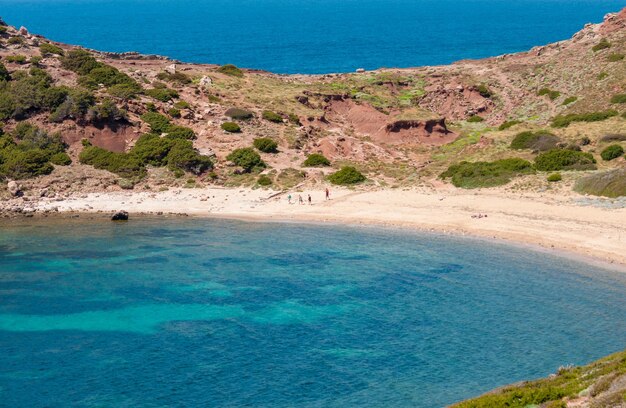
(120, 216)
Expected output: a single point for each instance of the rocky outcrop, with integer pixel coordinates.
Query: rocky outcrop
(120, 216)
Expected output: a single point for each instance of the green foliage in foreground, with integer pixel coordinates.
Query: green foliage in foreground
(562, 121)
(231, 127)
(246, 158)
(551, 391)
(607, 184)
(554, 177)
(540, 140)
(346, 176)
(612, 152)
(316, 160)
(29, 151)
(266, 145)
(230, 69)
(486, 174)
(564, 159)
(272, 116)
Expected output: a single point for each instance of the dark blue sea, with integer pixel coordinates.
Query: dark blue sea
(309, 36)
(216, 313)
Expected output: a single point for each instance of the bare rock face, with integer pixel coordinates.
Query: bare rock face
(120, 216)
(14, 188)
(171, 69)
(205, 82)
(23, 30)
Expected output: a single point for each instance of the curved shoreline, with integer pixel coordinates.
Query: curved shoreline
(544, 222)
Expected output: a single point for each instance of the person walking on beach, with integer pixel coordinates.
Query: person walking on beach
(309, 199)
(289, 198)
(300, 200)
(327, 193)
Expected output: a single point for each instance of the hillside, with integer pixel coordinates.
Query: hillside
(398, 127)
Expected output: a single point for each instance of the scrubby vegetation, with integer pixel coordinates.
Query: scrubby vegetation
(272, 117)
(16, 59)
(564, 159)
(486, 174)
(508, 124)
(613, 137)
(540, 141)
(475, 119)
(239, 114)
(28, 152)
(554, 177)
(346, 176)
(615, 57)
(266, 145)
(231, 127)
(484, 91)
(49, 49)
(550, 93)
(264, 180)
(246, 158)
(619, 98)
(608, 184)
(602, 45)
(230, 69)
(316, 160)
(160, 124)
(161, 92)
(565, 120)
(612, 152)
(177, 78)
(569, 100)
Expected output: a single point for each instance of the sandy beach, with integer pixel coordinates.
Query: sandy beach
(593, 228)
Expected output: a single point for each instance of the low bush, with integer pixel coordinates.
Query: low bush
(564, 159)
(293, 118)
(264, 180)
(173, 112)
(618, 98)
(16, 59)
(162, 94)
(180, 132)
(182, 105)
(484, 91)
(602, 45)
(612, 152)
(61, 159)
(272, 117)
(475, 119)
(554, 177)
(550, 93)
(239, 114)
(230, 69)
(565, 120)
(106, 111)
(266, 145)
(4, 73)
(316, 160)
(231, 127)
(346, 176)
(540, 141)
(602, 75)
(123, 164)
(246, 158)
(613, 137)
(158, 123)
(615, 57)
(49, 49)
(15, 40)
(183, 157)
(22, 164)
(508, 124)
(570, 99)
(177, 78)
(486, 174)
(607, 184)
(152, 149)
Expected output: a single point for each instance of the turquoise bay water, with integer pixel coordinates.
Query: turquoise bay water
(192, 312)
(309, 36)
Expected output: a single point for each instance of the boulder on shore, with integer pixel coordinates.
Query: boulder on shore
(120, 216)
(14, 188)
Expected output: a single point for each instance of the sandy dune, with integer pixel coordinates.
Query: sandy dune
(560, 223)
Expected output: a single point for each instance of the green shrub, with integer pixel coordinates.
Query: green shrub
(123, 164)
(570, 99)
(79, 61)
(486, 174)
(612, 152)
(239, 114)
(264, 180)
(230, 69)
(615, 57)
(602, 45)
(607, 184)
(4, 73)
(346, 176)
(16, 41)
(22, 164)
(554, 177)
(551, 94)
(124, 91)
(508, 124)
(272, 117)
(563, 159)
(31, 137)
(49, 49)
(76, 104)
(16, 59)
(484, 91)
(540, 140)
(182, 156)
(231, 127)
(316, 160)
(162, 94)
(293, 118)
(266, 145)
(247, 158)
(180, 132)
(152, 149)
(475, 119)
(619, 98)
(178, 78)
(182, 105)
(613, 137)
(565, 120)
(107, 111)
(173, 112)
(602, 75)
(60, 159)
(158, 123)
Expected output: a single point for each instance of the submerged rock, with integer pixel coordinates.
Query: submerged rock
(120, 216)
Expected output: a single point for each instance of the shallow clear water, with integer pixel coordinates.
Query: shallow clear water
(192, 312)
(309, 36)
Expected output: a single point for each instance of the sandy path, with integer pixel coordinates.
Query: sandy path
(550, 222)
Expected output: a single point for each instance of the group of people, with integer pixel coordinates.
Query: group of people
(309, 199)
